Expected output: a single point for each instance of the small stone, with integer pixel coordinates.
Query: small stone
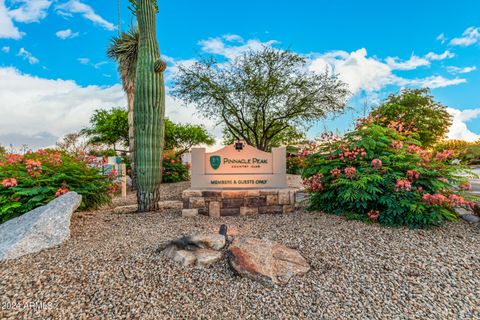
(170, 204)
(191, 193)
(189, 213)
(226, 212)
(288, 208)
(256, 201)
(272, 199)
(234, 194)
(266, 192)
(471, 218)
(253, 193)
(209, 241)
(214, 209)
(196, 202)
(126, 209)
(248, 211)
(184, 257)
(270, 209)
(206, 257)
(232, 203)
(211, 194)
(293, 194)
(284, 196)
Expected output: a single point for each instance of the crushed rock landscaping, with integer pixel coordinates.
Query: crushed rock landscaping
(111, 268)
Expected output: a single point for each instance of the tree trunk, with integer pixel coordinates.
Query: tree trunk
(131, 135)
(149, 108)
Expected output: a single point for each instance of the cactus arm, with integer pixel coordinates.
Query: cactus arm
(160, 66)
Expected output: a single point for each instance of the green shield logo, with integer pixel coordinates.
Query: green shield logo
(215, 162)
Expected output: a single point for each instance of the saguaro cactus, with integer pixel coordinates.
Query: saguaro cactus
(149, 106)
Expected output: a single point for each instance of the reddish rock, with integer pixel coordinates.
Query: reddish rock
(266, 261)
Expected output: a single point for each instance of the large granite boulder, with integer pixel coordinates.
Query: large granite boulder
(44, 227)
(265, 261)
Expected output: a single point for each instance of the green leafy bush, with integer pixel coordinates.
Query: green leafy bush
(34, 179)
(174, 170)
(381, 174)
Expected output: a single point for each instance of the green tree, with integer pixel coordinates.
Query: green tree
(123, 49)
(261, 94)
(149, 106)
(182, 137)
(417, 111)
(73, 143)
(289, 137)
(109, 127)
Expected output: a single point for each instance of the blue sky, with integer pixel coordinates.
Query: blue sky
(54, 72)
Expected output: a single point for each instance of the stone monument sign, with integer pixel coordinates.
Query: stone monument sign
(234, 168)
(238, 180)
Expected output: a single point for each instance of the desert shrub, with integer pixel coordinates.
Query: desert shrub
(34, 179)
(174, 170)
(382, 174)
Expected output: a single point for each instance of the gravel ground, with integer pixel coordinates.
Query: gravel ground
(110, 269)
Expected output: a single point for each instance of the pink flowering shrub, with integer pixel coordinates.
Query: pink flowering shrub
(382, 174)
(314, 182)
(174, 170)
(31, 180)
(350, 172)
(376, 164)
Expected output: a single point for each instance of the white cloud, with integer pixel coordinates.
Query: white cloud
(66, 34)
(455, 70)
(470, 36)
(228, 47)
(7, 28)
(64, 14)
(38, 111)
(459, 129)
(432, 56)
(356, 69)
(30, 10)
(27, 56)
(39, 107)
(6, 49)
(99, 64)
(414, 62)
(87, 62)
(361, 72)
(441, 37)
(233, 38)
(84, 60)
(76, 6)
(432, 82)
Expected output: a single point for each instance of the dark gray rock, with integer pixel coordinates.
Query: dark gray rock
(471, 218)
(44, 227)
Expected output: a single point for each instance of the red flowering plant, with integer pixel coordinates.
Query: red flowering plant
(382, 174)
(173, 169)
(296, 162)
(31, 180)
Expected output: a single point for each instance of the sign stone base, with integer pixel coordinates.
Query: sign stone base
(224, 202)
